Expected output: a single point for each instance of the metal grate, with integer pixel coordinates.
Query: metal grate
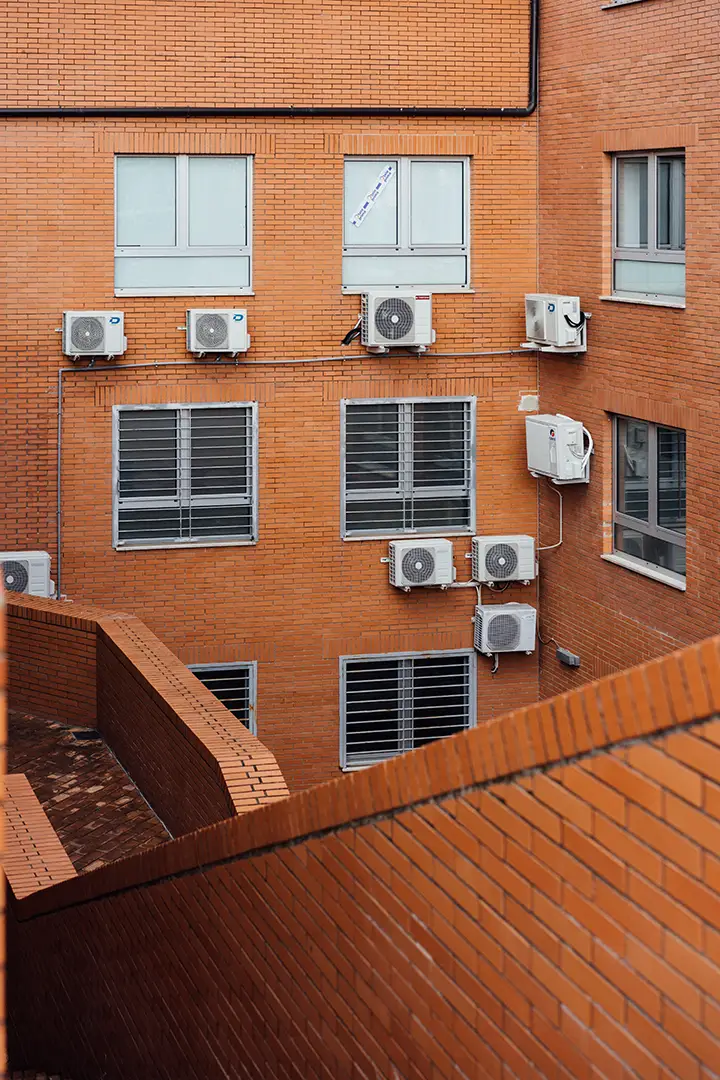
(87, 334)
(393, 704)
(503, 632)
(185, 474)
(394, 318)
(233, 685)
(501, 561)
(408, 466)
(16, 576)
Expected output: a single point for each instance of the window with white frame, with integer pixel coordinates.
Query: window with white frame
(649, 226)
(408, 466)
(235, 685)
(405, 224)
(391, 703)
(184, 474)
(182, 225)
(650, 493)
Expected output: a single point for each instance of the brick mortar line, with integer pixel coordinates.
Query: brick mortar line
(369, 819)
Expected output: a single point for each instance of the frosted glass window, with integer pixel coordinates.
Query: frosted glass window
(183, 225)
(379, 225)
(436, 202)
(649, 242)
(146, 201)
(405, 223)
(217, 201)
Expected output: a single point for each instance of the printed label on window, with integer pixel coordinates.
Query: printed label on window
(372, 196)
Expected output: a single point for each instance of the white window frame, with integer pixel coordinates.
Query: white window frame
(403, 247)
(649, 527)
(652, 253)
(405, 484)
(407, 720)
(169, 501)
(182, 249)
(235, 665)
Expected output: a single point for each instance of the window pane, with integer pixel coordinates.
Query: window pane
(650, 549)
(148, 526)
(436, 202)
(441, 697)
(148, 454)
(371, 447)
(440, 444)
(231, 686)
(633, 492)
(372, 709)
(656, 278)
(217, 197)
(146, 201)
(441, 515)
(411, 270)
(226, 273)
(377, 516)
(632, 202)
(380, 224)
(218, 523)
(671, 478)
(219, 451)
(671, 203)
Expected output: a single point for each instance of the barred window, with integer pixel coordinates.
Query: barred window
(650, 493)
(393, 703)
(408, 466)
(235, 685)
(185, 474)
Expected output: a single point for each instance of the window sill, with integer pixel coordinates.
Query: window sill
(184, 292)
(619, 3)
(437, 533)
(434, 290)
(183, 544)
(680, 304)
(657, 573)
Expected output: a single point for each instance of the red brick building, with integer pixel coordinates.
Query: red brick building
(127, 201)
(627, 122)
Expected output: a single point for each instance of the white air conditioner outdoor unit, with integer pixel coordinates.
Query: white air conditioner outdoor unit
(391, 319)
(93, 333)
(503, 628)
(555, 323)
(503, 558)
(559, 448)
(27, 572)
(217, 331)
(421, 562)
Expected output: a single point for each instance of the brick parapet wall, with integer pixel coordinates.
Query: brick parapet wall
(34, 856)
(192, 759)
(539, 895)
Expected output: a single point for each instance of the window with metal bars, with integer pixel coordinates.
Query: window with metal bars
(184, 474)
(391, 703)
(650, 493)
(235, 685)
(408, 466)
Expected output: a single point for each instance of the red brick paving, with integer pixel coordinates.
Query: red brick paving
(93, 805)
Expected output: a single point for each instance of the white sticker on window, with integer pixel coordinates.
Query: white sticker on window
(372, 196)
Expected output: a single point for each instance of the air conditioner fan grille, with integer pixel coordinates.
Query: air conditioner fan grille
(501, 562)
(15, 575)
(503, 632)
(87, 334)
(211, 331)
(394, 318)
(418, 565)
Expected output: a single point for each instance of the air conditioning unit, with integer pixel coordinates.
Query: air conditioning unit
(503, 558)
(504, 628)
(421, 562)
(559, 448)
(217, 331)
(391, 319)
(93, 333)
(27, 572)
(555, 323)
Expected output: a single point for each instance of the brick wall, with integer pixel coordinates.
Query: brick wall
(538, 897)
(189, 756)
(287, 601)
(650, 84)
